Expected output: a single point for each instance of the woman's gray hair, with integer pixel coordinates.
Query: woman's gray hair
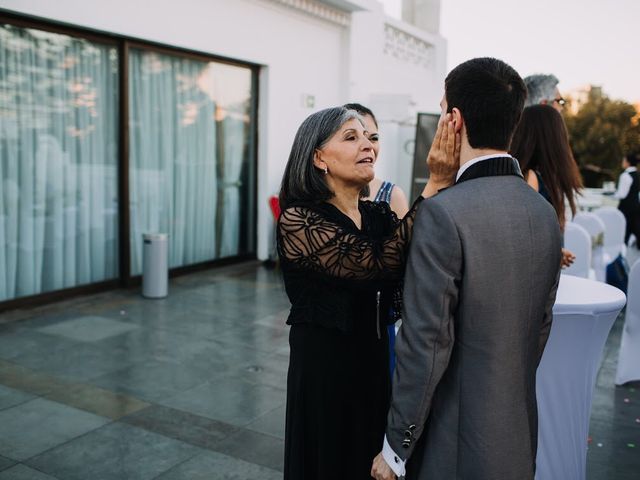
(302, 181)
(540, 88)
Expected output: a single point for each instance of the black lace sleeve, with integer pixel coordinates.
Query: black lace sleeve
(310, 241)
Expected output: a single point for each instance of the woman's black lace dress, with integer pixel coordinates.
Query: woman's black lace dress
(340, 281)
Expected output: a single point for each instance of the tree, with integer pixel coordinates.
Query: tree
(601, 131)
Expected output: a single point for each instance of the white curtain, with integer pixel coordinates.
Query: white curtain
(58, 162)
(234, 151)
(172, 157)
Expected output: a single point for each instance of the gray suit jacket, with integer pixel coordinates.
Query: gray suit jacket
(481, 281)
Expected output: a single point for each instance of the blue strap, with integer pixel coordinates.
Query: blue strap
(392, 348)
(384, 193)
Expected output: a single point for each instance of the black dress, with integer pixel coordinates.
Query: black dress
(340, 281)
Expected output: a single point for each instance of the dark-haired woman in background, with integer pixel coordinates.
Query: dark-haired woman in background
(341, 259)
(541, 145)
(388, 192)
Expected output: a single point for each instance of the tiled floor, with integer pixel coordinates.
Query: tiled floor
(116, 387)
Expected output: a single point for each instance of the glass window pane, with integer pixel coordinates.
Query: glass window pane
(58, 162)
(190, 157)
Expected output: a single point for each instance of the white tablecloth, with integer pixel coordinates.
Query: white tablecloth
(583, 315)
(593, 198)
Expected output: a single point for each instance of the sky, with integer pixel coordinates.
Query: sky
(580, 41)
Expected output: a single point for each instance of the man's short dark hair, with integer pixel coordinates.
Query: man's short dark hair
(490, 94)
(632, 159)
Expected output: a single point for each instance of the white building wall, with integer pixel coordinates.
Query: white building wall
(397, 70)
(308, 50)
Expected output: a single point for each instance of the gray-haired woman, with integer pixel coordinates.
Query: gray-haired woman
(341, 259)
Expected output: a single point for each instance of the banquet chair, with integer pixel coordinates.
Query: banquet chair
(274, 206)
(597, 230)
(577, 239)
(615, 225)
(629, 354)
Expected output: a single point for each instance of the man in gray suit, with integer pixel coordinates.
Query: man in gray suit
(481, 281)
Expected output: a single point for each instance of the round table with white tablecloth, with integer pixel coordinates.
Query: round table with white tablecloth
(583, 315)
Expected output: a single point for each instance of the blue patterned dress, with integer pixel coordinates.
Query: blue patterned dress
(384, 195)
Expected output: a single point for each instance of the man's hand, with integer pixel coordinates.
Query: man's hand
(380, 470)
(443, 160)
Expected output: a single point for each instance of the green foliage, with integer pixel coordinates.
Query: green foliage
(602, 131)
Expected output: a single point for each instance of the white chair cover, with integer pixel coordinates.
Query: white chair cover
(588, 200)
(582, 318)
(596, 228)
(615, 225)
(577, 240)
(629, 355)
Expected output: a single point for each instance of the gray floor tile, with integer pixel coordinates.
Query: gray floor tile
(228, 400)
(79, 362)
(219, 358)
(39, 425)
(22, 472)
(276, 320)
(192, 429)
(152, 381)
(27, 380)
(271, 423)
(259, 337)
(267, 369)
(88, 328)
(25, 342)
(611, 471)
(10, 397)
(6, 463)
(212, 465)
(614, 429)
(147, 344)
(114, 452)
(96, 400)
(256, 448)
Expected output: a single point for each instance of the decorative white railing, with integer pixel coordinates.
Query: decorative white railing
(320, 10)
(407, 46)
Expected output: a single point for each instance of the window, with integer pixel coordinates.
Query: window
(189, 172)
(190, 154)
(58, 162)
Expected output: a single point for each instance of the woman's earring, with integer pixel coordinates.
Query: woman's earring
(325, 170)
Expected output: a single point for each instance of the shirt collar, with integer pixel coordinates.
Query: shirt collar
(475, 160)
(630, 169)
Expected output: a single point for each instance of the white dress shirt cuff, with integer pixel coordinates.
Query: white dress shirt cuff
(393, 460)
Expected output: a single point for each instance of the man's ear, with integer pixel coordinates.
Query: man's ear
(457, 119)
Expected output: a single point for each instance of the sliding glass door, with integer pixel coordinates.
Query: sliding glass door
(190, 151)
(103, 139)
(58, 162)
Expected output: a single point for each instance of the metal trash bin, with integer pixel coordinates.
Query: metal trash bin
(155, 265)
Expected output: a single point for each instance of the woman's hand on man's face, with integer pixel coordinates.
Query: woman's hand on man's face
(443, 160)
(444, 157)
